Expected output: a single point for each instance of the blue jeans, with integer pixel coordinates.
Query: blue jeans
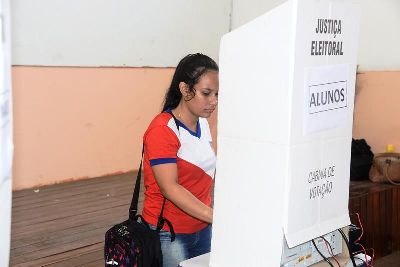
(185, 246)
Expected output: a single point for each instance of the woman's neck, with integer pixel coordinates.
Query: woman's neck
(186, 117)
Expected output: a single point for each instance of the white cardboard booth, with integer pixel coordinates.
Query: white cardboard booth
(285, 119)
(6, 143)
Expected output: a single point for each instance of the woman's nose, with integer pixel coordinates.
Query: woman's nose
(214, 100)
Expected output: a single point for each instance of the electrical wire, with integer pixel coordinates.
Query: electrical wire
(348, 247)
(330, 250)
(366, 264)
(372, 256)
(360, 245)
(371, 264)
(357, 241)
(364, 251)
(325, 259)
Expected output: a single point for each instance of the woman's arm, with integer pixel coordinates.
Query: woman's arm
(166, 176)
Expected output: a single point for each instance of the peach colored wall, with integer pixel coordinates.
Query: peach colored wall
(377, 109)
(72, 123)
(75, 123)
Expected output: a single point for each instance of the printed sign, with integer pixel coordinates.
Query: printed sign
(325, 98)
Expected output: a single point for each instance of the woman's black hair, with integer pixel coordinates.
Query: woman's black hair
(189, 71)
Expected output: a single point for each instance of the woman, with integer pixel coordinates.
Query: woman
(179, 162)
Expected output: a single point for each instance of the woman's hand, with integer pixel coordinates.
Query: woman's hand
(166, 176)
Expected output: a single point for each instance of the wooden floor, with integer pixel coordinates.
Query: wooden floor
(64, 225)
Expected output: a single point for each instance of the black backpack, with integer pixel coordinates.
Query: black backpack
(133, 243)
(361, 160)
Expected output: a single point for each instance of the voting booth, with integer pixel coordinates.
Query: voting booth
(6, 145)
(285, 117)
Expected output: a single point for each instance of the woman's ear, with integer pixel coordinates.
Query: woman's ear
(184, 89)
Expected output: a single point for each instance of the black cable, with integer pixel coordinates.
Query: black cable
(326, 259)
(333, 255)
(327, 243)
(348, 247)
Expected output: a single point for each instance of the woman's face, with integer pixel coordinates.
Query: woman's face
(205, 97)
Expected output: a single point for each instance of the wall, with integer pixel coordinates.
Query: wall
(73, 123)
(77, 118)
(115, 33)
(377, 109)
(243, 11)
(81, 122)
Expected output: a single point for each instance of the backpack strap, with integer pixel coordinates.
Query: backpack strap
(136, 191)
(135, 196)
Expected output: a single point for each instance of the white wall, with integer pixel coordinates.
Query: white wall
(158, 33)
(245, 10)
(379, 29)
(115, 33)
